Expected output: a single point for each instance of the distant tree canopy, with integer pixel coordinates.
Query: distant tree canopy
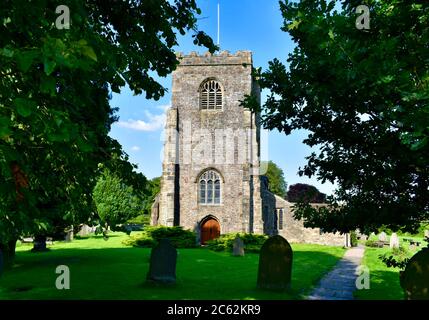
(276, 180)
(154, 189)
(55, 86)
(363, 96)
(116, 201)
(301, 192)
(119, 165)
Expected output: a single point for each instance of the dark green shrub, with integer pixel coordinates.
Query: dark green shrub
(372, 243)
(396, 258)
(179, 237)
(418, 233)
(140, 240)
(252, 242)
(353, 239)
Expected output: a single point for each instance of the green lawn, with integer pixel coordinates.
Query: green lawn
(384, 281)
(102, 269)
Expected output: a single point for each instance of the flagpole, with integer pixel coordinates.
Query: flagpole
(218, 22)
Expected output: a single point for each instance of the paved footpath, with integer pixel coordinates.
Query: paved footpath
(340, 282)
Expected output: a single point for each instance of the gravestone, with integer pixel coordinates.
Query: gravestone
(415, 278)
(382, 236)
(69, 235)
(39, 244)
(275, 264)
(394, 241)
(84, 230)
(238, 247)
(162, 267)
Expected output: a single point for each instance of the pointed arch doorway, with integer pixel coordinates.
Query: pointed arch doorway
(210, 229)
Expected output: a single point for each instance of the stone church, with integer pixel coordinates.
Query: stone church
(212, 178)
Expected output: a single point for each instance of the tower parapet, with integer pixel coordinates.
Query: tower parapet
(242, 57)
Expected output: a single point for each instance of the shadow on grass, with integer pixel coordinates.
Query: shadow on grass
(120, 273)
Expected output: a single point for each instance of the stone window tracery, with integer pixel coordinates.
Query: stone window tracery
(209, 188)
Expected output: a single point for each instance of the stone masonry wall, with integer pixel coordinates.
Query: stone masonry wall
(240, 208)
(293, 230)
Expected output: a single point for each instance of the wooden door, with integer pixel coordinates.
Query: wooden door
(210, 229)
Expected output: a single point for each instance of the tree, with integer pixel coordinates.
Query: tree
(54, 90)
(116, 202)
(276, 180)
(363, 96)
(301, 192)
(119, 165)
(155, 188)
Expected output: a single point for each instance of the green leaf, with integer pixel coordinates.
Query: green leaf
(89, 52)
(49, 66)
(4, 121)
(25, 59)
(24, 106)
(82, 42)
(294, 24)
(7, 52)
(331, 34)
(5, 131)
(387, 79)
(6, 21)
(42, 225)
(48, 85)
(420, 144)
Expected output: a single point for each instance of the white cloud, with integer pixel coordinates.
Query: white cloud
(135, 148)
(164, 107)
(154, 122)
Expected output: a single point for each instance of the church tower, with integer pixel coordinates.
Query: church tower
(210, 181)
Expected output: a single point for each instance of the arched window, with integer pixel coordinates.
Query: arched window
(210, 95)
(209, 188)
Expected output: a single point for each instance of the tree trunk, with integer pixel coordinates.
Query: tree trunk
(39, 244)
(7, 254)
(1, 262)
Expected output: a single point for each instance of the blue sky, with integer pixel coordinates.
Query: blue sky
(244, 25)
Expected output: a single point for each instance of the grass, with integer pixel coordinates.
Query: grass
(384, 281)
(102, 269)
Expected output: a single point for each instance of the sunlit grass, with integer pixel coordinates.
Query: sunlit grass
(102, 269)
(384, 281)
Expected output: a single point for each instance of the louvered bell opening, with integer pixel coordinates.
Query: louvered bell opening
(212, 99)
(219, 99)
(211, 96)
(203, 99)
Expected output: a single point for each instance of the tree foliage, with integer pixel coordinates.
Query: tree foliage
(276, 180)
(116, 201)
(363, 96)
(119, 165)
(54, 90)
(301, 192)
(154, 189)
